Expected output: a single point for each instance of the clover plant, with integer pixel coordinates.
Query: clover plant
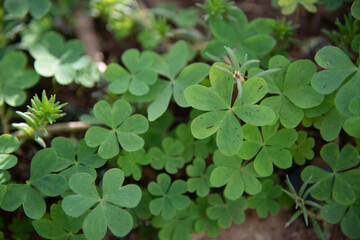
(41, 180)
(15, 78)
(224, 212)
(124, 129)
(293, 93)
(137, 79)
(19, 8)
(289, 6)
(131, 163)
(75, 160)
(339, 184)
(264, 202)
(236, 175)
(108, 212)
(170, 158)
(185, 139)
(59, 225)
(222, 115)
(169, 195)
(203, 222)
(59, 58)
(230, 27)
(199, 180)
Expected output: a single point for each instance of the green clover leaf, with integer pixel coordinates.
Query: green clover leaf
(263, 202)
(43, 163)
(199, 180)
(14, 78)
(237, 177)
(59, 226)
(327, 118)
(203, 222)
(19, 8)
(352, 124)
(172, 66)
(177, 228)
(8, 144)
(169, 195)
(226, 212)
(139, 77)
(302, 149)
(193, 147)
(108, 211)
(124, 129)
(55, 57)
(348, 216)
(338, 183)
(289, 6)
(76, 160)
(271, 147)
(337, 67)
(170, 157)
(339, 74)
(234, 30)
(222, 117)
(293, 92)
(131, 162)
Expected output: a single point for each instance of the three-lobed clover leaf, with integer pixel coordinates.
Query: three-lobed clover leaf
(233, 29)
(263, 202)
(349, 216)
(222, 115)
(193, 147)
(55, 57)
(123, 129)
(199, 180)
(327, 118)
(203, 222)
(339, 74)
(337, 67)
(19, 8)
(8, 144)
(14, 78)
(76, 160)
(172, 66)
(59, 226)
(225, 212)
(170, 198)
(289, 6)
(271, 147)
(342, 185)
(170, 157)
(237, 176)
(177, 228)
(293, 93)
(352, 124)
(41, 179)
(108, 211)
(302, 149)
(139, 77)
(131, 162)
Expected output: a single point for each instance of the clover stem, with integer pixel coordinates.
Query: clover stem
(4, 119)
(61, 128)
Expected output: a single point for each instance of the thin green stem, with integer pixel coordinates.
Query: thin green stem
(4, 119)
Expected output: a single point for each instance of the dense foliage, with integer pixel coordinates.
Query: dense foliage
(208, 118)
